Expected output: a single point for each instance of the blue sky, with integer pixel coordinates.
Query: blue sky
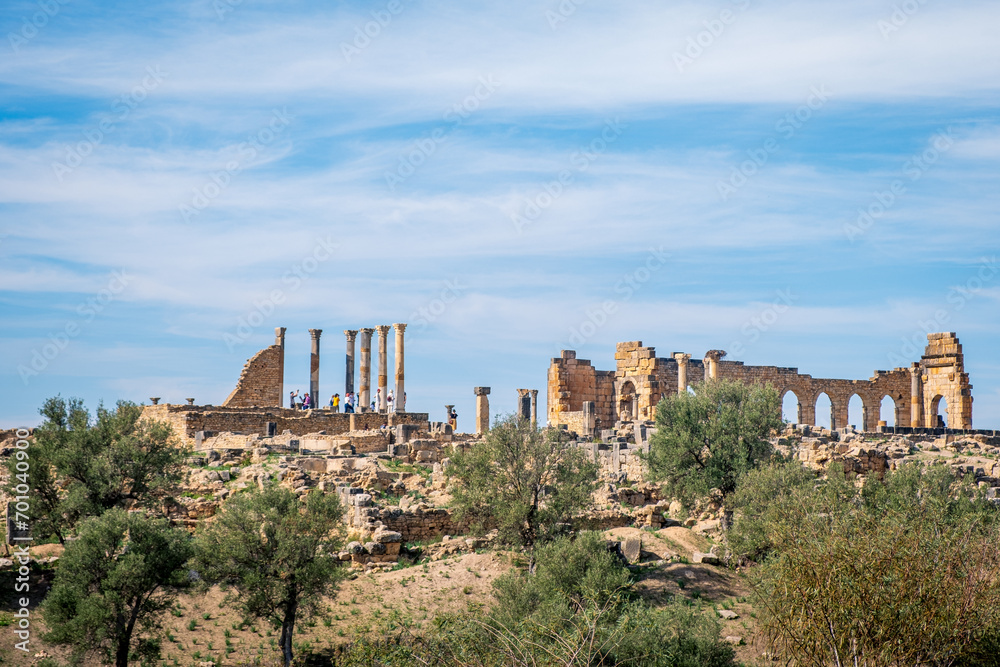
(513, 169)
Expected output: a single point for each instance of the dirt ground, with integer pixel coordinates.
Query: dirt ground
(201, 628)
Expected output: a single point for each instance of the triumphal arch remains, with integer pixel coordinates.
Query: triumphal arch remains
(586, 399)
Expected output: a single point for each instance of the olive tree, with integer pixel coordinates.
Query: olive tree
(113, 584)
(521, 480)
(277, 554)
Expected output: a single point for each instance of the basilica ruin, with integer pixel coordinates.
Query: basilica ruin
(255, 407)
(588, 400)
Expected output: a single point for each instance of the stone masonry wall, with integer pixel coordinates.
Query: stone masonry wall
(944, 376)
(642, 379)
(189, 419)
(573, 381)
(260, 383)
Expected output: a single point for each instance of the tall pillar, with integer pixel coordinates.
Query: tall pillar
(807, 411)
(682, 371)
(349, 366)
(482, 410)
(534, 408)
(916, 395)
(365, 382)
(712, 358)
(314, 367)
(383, 371)
(279, 340)
(399, 402)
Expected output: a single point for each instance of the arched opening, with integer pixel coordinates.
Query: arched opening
(626, 402)
(824, 410)
(790, 407)
(939, 412)
(856, 412)
(887, 411)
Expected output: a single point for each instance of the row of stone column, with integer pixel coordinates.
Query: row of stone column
(712, 358)
(364, 388)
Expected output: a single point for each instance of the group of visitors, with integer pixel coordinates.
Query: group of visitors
(350, 399)
(305, 404)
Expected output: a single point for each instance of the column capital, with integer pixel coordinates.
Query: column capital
(350, 333)
(315, 333)
(682, 358)
(382, 329)
(366, 331)
(481, 391)
(400, 327)
(915, 368)
(715, 355)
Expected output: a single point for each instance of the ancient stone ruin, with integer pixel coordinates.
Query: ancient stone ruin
(588, 400)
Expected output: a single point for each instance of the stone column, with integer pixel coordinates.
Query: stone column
(383, 372)
(482, 410)
(712, 358)
(349, 365)
(682, 371)
(534, 408)
(807, 411)
(365, 382)
(399, 400)
(314, 367)
(279, 340)
(916, 395)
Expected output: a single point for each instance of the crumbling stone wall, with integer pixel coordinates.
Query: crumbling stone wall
(187, 420)
(573, 381)
(944, 376)
(261, 382)
(642, 379)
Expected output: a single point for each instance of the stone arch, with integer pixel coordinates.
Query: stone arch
(889, 414)
(791, 412)
(823, 417)
(936, 412)
(856, 412)
(628, 401)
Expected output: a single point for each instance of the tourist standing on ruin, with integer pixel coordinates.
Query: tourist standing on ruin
(349, 405)
(306, 402)
(292, 395)
(388, 400)
(335, 402)
(378, 398)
